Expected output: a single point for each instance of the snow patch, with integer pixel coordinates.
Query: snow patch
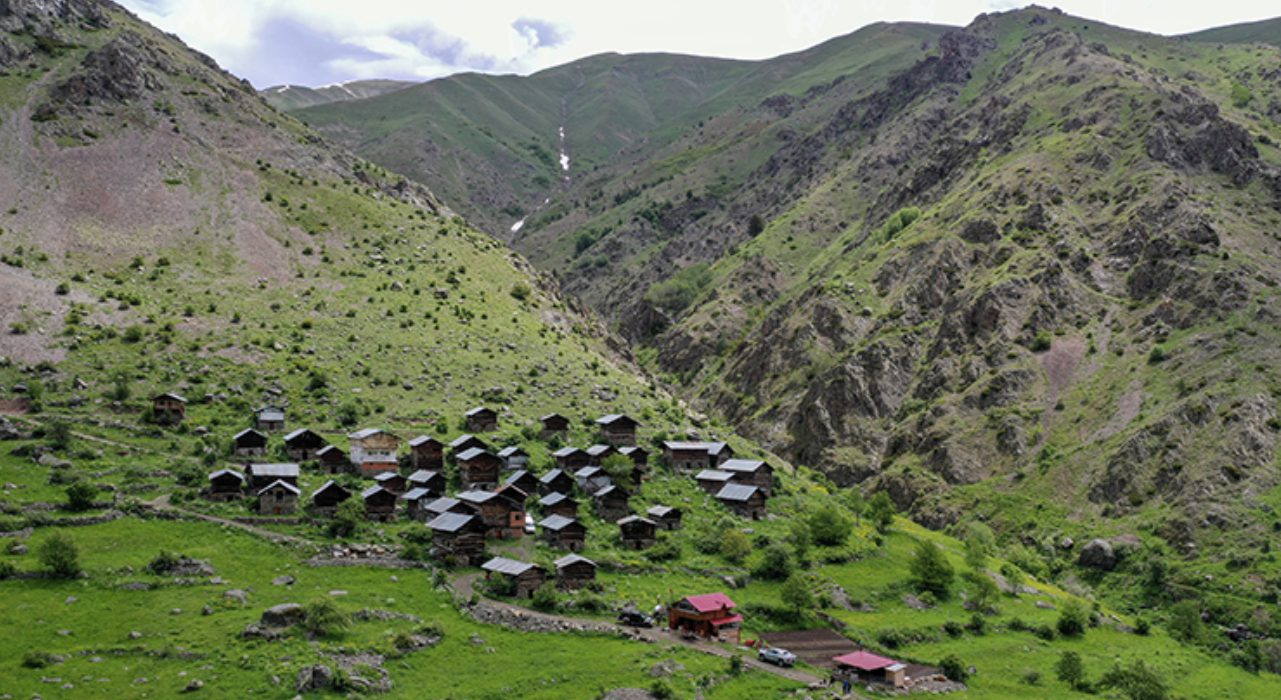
(516, 226)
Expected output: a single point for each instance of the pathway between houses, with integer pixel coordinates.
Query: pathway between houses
(162, 504)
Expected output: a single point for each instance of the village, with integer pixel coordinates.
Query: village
(470, 494)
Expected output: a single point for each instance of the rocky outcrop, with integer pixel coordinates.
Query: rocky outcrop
(1097, 554)
(123, 70)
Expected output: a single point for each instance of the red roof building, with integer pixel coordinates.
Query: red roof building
(869, 667)
(710, 616)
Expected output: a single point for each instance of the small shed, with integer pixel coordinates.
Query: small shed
(747, 501)
(524, 578)
(278, 498)
(571, 458)
(639, 457)
(304, 444)
(372, 465)
(554, 424)
(611, 503)
(333, 460)
(415, 499)
(665, 517)
(597, 453)
(514, 457)
(691, 456)
(326, 499)
(523, 480)
(226, 485)
(478, 468)
(503, 518)
(432, 481)
(392, 481)
(426, 452)
(556, 481)
(592, 479)
(563, 533)
(270, 419)
(249, 443)
(618, 429)
(261, 475)
(457, 538)
(558, 504)
(465, 442)
(574, 572)
(750, 472)
(513, 493)
(637, 532)
(482, 419)
(713, 480)
(372, 442)
(380, 504)
(445, 504)
(709, 616)
(866, 667)
(168, 409)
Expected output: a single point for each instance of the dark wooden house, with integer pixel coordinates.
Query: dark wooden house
(618, 429)
(750, 472)
(611, 503)
(445, 504)
(465, 442)
(558, 504)
(713, 480)
(518, 496)
(278, 498)
(478, 469)
(574, 572)
(304, 444)
(639, 457)
(556, 481)
(592, 479)
(503, 518)
(571, 458)
(380, 504)
(433, 481)
(692, 456)
(514, 457)
(709, 616)
(415, 501)
(665, 517)
(563, 533)
(270, 419)
(261, 475)
(637, 532)
(333, 460)
(426, 452)
(226, 485)
(249, 443)
(524, 578)
(482, 419)
(392, 481)
(523, 480)
(747, 501)
(554, 424)
(168, 409)
(326, 499)
(457, 538)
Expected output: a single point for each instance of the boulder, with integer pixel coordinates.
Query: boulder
(1098, 554)
(283, 581)
(237, 595)
(312, 678)
(283, 615)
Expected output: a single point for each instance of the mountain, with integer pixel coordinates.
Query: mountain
(289, 97)
(1025, 270)
(1267, 31)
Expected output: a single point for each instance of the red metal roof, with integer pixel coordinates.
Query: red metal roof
(864, 661)
(721, 622)
(710, 602)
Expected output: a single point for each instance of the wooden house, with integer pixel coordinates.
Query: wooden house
(556, 481)
(563, 533)
(249, 443)
(478, 468)
(278, 498)
(261, 475)
(326, 499)
(571, 458)
(457, 538)
(524, 578)
(503, 518)
(864, 667)
(481, 419)
(665, 517)
(333, 460)
(523, 480)
(611, 503)
(558, 504)
(392, 481)
(618, 429)
(750, 472)
(445, 504)
(692, 456)
(596, 454)
(637, 532)
(426, 452)
(592, 479)
(373, 465)
(638, 455)
(304, 444)
(432, 481)
(515, 494)
(713, 480)
(554, 424)
(270, 419)
(573, 572)
(747, 501)
(168, 409)
(708, 616)
(415, 501)
(514, 457)
(465, 442)
(380, 504)
(226, 485)
(372, 441)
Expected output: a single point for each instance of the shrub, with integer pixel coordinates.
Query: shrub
(930, 570)
(954, 668)
(1044, 632)
(164, 562)
(7, 570)
(880, 510)
(735, 546)
(1031, 678)
(666, 549)
(1185, 621)
(1013, 576)
(1042, 341)
(132, 334)
(322, 617)
(891, 638)
(62, 290)
(735, 664)
(545, 598)
(80, 495)
(797, 594)
(520, 291)
(660, 690)
(38, 659)
(676, 293)
(59, 555)
(900, 220)
(954, 629)
(58, 435)
(829, 526)
(1157, 355)
(776, 563)
(1137, 681)
(347, 518)
(1073, 619)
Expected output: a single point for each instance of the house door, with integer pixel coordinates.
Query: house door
(277, 510)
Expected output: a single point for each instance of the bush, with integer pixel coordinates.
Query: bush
(891, 638)
(930, 570)
(676, 293)
(666, 549)
(900, 220)
(59, 555)
(38, 659)
(880, 510)
(520, 291)
(829, 526)
(1185, 621)
(164, 562)
(1031, 678)
(954, 668)
(735, 546)
(953, 629)
(58, 435)
(797, 594)
(1136, 681)
(347, 518)
(1042, 341)
(776, 563)
(80, 495)
(7, 570)
(661, 690)
(545, 598)
(1073, 619)
(322, 617)
(1070, 669)
(735, 664)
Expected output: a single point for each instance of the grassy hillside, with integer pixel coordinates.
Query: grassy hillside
(1267, 31)
(287, 97)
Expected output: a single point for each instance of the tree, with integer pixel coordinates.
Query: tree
(983, 591)
(735, 546)
(880, 510)
(829, 526)
(322, 617)
(1073, 618)
(1014, 577)
(80, 495)
(797, 594)
(930, 570)
(855, 502)
(1071, 670)
(799, 536)
(979, 542)
(776, 563)
(1137, 681)
(1185, 621)
(120, 390)
(58, 554)
(954, 668)
(347, 518)
(619, 467)
(545, 597)
(755, 225)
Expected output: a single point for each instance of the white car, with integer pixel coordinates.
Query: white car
(778, 657)
(529, 526)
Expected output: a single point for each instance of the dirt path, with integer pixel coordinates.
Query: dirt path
(162, 504)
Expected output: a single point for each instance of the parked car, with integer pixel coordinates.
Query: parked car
(777, 656)
(529, 526)
(632, 618)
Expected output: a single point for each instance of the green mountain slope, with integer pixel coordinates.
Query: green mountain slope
(289, 97)
(1267, 31)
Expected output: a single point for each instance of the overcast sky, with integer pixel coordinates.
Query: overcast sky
(317, 42)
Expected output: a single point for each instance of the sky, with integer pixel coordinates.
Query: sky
(320, 42)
